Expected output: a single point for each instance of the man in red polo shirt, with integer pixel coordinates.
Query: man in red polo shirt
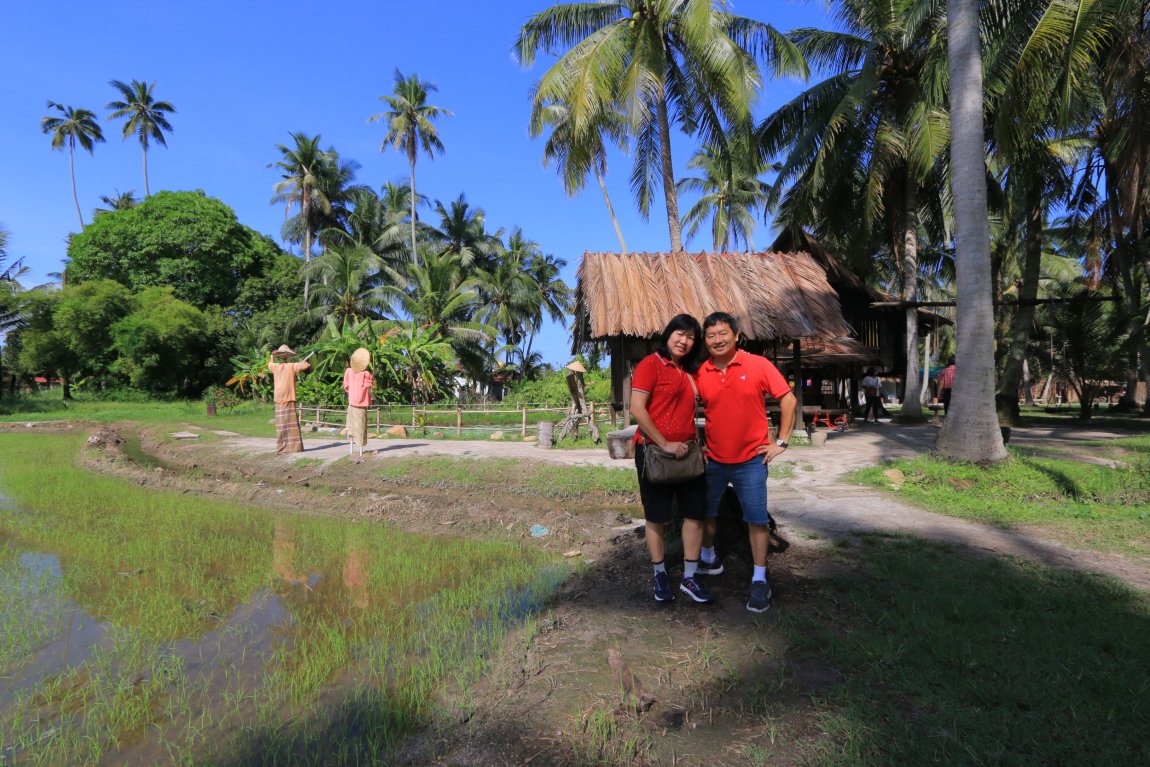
(733, 385)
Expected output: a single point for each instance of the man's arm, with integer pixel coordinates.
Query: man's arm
(787, 407)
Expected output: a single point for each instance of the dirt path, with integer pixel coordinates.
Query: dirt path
(815, 502)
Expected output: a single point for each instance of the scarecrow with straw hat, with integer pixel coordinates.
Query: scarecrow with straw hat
(357, 382)
(288, 437)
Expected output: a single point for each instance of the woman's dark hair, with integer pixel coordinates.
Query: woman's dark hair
(687, 324)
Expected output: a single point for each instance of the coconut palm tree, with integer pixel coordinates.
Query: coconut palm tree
(971, 431)
(118, 201)
(348, 286)
(576, 153)
(870, 136)
(72, 126)
(731, 193)
(303, 169)
(409, 127)
(143, 115)
(463, 232)
(687, 62)
(438, 296)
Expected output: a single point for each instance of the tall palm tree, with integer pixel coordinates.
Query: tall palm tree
(731, 193)
(870, 135)
(409, 127)
(577, 152)
(347, 287)
(437, 296)
(687, 62)
(971, 431)
(72, 126)
(303, 168)
(143, 115)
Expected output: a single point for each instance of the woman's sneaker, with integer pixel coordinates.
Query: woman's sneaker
(695, 589)
(760, 600)
(663, 590)
(710, 568)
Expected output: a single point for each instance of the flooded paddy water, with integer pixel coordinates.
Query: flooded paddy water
(141, 626)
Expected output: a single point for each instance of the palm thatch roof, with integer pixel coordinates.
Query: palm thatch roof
(838, 351)
(772, 295)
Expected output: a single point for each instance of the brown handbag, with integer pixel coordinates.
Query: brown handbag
(663, 468)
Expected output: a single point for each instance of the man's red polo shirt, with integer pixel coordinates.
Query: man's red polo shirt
(735, 407)
(670, 400)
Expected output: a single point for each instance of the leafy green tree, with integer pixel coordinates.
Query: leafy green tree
(44, 350)
(305, 170)
(266, 309)
(183, 239)
(167, 345)
(864, 145)
(72, 126)
(660, 62)
(731, 193)
(142, 115)
(409, 128)
(1090, 342)
(421, 359)
(463, 233)
(84, 317)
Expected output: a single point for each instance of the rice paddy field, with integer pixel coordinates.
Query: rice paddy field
(146, 627)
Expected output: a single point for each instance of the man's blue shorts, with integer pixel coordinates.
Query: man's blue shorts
(749, 480)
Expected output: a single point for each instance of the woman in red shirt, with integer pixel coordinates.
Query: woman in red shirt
(663, 402)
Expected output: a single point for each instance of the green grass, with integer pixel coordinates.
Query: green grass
(950, 658)
(231, 633)
(511, 476)
(1103, 508)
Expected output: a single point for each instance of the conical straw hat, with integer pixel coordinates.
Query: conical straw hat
(283, 351)
(360, 360)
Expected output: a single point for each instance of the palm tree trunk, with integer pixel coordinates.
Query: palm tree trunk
(411, 163)
(306, 260)
(75, 199)
(611, 210)
(1023, 321)
(668, 175)
(971, 431)
(147, 190)
(911, 405)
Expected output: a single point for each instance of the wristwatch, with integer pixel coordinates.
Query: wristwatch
(783, 444)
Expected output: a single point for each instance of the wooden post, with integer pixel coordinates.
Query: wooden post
(523, 431)
(458, 420)
(798, 365)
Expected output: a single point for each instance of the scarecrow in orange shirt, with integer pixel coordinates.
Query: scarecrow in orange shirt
(357, 382)
(288, 437)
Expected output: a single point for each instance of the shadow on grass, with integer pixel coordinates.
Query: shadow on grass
(951, 658)
(1062, 481)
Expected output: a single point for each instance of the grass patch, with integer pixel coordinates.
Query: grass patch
(949, 658)
(1103, 508)
(510, 476)
(224, 633)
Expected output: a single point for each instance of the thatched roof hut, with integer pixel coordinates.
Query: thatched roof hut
(774, 296)
(626, 299)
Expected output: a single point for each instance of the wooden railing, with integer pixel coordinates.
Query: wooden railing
(441, 417)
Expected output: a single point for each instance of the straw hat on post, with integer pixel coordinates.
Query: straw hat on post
(283, 351)
(360, 360)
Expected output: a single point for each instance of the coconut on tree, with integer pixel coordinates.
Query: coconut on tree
(72, 126)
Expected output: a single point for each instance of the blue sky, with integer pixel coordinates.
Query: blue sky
(242, 75)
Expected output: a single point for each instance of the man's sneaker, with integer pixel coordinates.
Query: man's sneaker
(710, 568)
(663, 590)
(695, 589)
(760, 600)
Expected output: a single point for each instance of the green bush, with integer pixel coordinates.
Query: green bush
(551, 390)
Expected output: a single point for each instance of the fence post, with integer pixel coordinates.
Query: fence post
(523, 433)
(458, 420)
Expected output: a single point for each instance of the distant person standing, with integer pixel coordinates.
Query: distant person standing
(946, 383)
(357, 382)
(288, 437)
(871, 386)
